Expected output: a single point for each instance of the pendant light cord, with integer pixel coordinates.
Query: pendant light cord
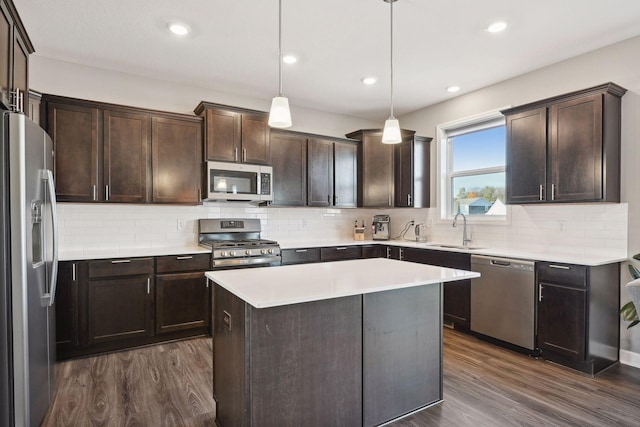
(279, 47)
(391, 61)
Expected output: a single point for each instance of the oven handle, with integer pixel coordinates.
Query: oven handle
(219, 263)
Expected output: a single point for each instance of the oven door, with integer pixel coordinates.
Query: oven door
(230, 181)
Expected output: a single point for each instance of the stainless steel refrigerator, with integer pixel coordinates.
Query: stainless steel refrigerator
(28, 265)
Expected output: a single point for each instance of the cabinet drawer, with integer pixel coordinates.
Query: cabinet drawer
(300, 256)
(120, 267)
(339, 253)
(373, 251)
(179, 263)
(566, 274)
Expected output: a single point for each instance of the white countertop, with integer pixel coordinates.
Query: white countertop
(77, 255)
(591, 260)
(293, 284)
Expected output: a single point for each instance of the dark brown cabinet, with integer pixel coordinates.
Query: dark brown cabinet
(15, 48)
(411, 172)
(235, 135)
(578, 322)
(183, 294)
(74, 130)
(566, 148)
(127, 156)
(114, 153)
(373, 251)
(289, 158)
(177, 160)
(300, 256)
(119, 300)
(375, 169)
(66, 302)
(340, 253)
(331, 173)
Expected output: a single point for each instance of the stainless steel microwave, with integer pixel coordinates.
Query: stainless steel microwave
(239, 181)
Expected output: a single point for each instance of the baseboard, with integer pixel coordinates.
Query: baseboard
(630, 358)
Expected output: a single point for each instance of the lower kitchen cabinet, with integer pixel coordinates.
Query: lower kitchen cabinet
(66, 303)
(578, 324)
(300, 256)
(340, 253)
(372, 251)
(183, 296)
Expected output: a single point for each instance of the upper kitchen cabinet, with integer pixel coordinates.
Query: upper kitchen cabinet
(332, 177)
(289, 156)
(411, 172)
(375, 169)
(15, 48)
(177, 160)
(105, 153)
(566, 148)
(235, 134)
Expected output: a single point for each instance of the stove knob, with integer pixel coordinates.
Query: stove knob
(263, 251)
(247, 252)
(270, 251)
(232, 253)
(223, 253)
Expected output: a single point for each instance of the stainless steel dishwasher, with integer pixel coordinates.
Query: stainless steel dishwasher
(503, 300)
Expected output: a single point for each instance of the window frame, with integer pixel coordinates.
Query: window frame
(445, 174)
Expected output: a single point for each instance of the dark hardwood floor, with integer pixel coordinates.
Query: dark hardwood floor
(484, 385)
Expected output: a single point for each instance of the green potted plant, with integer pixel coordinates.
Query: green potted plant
(629, 311)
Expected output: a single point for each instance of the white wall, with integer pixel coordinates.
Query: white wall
(619, 63)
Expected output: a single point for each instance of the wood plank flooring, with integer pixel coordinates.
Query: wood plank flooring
(484, 385)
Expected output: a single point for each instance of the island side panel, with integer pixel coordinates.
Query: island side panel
(306, 364)
(402, 352)
(230, 363)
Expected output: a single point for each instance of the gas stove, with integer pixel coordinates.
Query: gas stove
(236, 243)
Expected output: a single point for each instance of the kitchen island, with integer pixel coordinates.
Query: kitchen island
(338, 343)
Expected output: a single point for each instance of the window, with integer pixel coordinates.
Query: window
(472, 160)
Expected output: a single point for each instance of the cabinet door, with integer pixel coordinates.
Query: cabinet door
(182, 302)
(340, 253)
(177, 160)
(120, 308)
(403, 174)
(21, 69)
(74, 130)
(289, 156)
(256, 144)
(223, 135)
(300, 256)
(6, 41)
(377, 171)
(320, 172)
(575, 144)
(561, 320)
(526, 168)
(373, 251)
(345, 182)
(66, 302)
(127, 166)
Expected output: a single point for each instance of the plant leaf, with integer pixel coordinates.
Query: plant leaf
(636, 257)
(628, 312)
(635, 273)
(634, 323)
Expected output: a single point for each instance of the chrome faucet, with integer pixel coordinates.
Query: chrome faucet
(465, 239)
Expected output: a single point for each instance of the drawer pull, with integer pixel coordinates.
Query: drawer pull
(121, 261)
(540, 293)
(342, 248)
(184, 257)
(299, 251)
(73, 272)
(560, 267)
(148, 285)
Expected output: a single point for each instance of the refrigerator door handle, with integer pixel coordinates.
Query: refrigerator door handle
(48, 177)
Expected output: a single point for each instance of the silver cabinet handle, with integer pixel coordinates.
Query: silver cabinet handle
(148, 285)
(106, 192)
(207, 280)
(120, 261)
(341, 248)
(541, 190)
(95, 195)
(389, 199)
(184, 257)
(235, 154)
(560, 267)
(73, 272)
(244, 154)
(553, 191)
(540, 293)
(300, 250)
(409, 199)
(388, 251)
(401, 254)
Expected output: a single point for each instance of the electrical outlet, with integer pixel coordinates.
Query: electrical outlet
(180, 224)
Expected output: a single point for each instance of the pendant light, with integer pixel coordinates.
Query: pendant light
(280, 115)
(391, 133)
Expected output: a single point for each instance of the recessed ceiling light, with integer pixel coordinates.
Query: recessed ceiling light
(496, 27)
(178, 29)
(369, 80)
(453, 89)
(289, 59)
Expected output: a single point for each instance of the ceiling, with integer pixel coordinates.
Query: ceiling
(233, 46)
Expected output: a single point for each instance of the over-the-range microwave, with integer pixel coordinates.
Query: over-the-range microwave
(239, 181)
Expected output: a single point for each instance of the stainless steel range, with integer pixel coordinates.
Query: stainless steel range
(236, 243)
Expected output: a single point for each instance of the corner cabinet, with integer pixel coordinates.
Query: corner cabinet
(566, 148)
(578, 323)
(375, 169)
(235, 134)
(412, 169)
(15, 48)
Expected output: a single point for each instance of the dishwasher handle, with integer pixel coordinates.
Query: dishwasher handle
(500, 263)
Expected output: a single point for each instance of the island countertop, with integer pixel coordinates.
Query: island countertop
(291, 284)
